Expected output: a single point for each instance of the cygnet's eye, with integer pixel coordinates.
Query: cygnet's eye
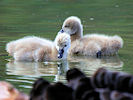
(65, 45)
(66, 25)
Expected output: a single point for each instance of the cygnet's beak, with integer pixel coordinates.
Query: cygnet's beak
(60, 53)
(61, 31)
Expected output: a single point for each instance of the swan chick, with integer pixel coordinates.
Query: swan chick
(90, 44)
(34, 48)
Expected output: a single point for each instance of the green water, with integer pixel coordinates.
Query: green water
(19, 18)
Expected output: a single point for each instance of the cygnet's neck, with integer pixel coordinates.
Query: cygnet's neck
(65, 55)
(78, 34)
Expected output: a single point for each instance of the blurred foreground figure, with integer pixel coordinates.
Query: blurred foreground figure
(43, 90)
(102, 85)
(8, 92)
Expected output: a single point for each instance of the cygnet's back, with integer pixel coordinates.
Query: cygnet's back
(29, 43)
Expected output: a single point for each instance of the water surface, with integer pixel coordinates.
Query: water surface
(19, 18)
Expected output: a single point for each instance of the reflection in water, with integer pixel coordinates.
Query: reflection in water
(63, 66)
(34, 69)
(91, 64)
(58, 69)
(25, 73)
(37, 69)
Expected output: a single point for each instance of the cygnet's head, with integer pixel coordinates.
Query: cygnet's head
(63, 43)
(72, 25)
